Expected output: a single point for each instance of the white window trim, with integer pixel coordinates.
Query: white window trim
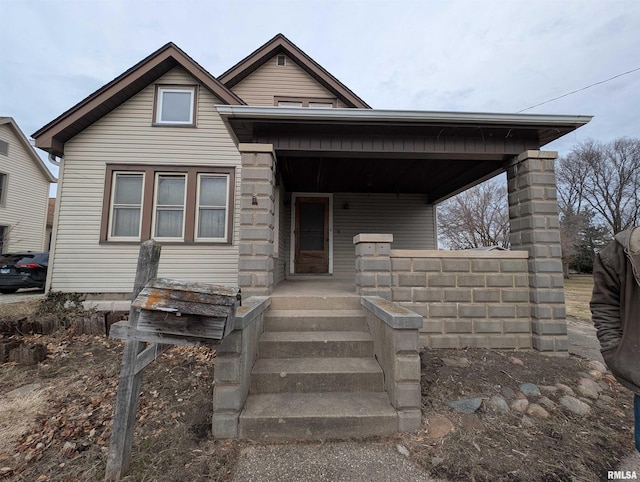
(160, 98)
(112, 198)
(292, 267)
(226, 209)
(155, 206)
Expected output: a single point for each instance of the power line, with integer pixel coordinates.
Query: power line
(579, 90)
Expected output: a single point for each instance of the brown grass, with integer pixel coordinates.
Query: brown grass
(577, 291)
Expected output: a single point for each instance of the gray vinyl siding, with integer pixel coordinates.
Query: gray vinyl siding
(407, 216)
(26, 199)
(270, 81)
(125, 135)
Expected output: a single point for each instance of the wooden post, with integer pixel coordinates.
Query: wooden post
(129, 385)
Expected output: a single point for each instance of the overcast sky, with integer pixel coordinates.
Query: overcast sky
(465, 55)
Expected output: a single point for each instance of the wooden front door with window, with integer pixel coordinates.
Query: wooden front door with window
(312, 235)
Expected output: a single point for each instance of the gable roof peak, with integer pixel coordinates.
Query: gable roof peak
(52, 136)
(281, 44)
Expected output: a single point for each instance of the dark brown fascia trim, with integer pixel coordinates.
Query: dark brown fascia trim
(281, 44)
(45, 137)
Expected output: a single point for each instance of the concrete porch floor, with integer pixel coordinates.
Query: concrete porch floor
(343, 285)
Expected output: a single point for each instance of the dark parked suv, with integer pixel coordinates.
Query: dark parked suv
(23, 270)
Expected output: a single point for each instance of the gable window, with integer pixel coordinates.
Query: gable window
(126, 208)
(281, 101)
(180, 204)
(4, 148)
(175, 105)
(281, 61)
(289, 103)
(3, 188)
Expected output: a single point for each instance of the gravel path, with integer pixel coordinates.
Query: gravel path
(331, 461)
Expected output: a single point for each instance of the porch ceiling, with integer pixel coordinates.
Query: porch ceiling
(364, 150)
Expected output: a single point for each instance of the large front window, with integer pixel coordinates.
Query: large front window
(170, 198)
(213, 192)
(126, 208)
(190, 204)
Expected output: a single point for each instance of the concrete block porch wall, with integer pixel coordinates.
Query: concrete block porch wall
(235, 357)
(489, 299)
(394, 330)
(476, 299)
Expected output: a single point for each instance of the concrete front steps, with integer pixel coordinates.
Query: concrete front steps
(316, 376)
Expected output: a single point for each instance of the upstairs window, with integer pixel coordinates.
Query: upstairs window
(175, 105)
(4, 148)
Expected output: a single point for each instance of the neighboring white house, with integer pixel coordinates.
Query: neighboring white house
(24, 192)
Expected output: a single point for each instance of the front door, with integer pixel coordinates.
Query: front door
(311, 235)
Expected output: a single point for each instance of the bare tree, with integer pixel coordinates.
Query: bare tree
(604, 178)
(475, 218)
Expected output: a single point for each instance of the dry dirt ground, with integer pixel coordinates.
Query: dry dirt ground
(55, 418)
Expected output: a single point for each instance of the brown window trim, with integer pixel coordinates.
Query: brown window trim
(154, 113)
(305, 100)
(5, 189)
(147, 200)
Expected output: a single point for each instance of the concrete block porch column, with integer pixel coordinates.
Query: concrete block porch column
(533, 214)
(373, 264)
(257, 220)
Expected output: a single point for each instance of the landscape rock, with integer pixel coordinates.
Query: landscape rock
(530, 390)
(588, 388)
(402, 450)
(457, 362)
(596, 365)
(466, 405)
(515, 361)
(471, 423)
(548, 389)
(574, 405)
(595, 374)
(546, 403)
(567, 390)
(520, 405)
(507, 393)
(438, 426)
(537, 411)
(498, 404)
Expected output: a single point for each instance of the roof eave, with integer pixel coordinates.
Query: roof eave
(170, 54)
(29, 148)
(400, 116)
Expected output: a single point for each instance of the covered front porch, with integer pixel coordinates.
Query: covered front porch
(314, 181)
